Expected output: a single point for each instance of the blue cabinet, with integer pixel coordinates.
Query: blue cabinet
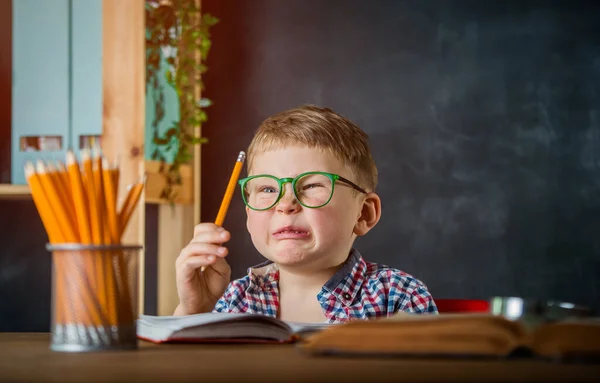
(86, 64)
(57, 78)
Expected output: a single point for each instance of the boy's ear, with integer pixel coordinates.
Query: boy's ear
(369, 215)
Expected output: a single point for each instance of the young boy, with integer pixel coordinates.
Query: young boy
(310, 194)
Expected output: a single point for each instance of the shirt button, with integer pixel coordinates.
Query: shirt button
(346, 296)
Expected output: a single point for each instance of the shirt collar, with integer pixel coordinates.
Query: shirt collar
(346, 283)
(344, 272)
(343, 285)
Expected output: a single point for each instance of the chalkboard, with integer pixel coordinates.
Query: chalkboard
(484, 119)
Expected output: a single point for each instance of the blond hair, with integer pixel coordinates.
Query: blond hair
(319, 128)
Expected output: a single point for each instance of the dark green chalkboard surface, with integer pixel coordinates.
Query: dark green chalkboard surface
(484, 118)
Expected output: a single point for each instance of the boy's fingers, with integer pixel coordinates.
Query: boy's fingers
(190, 265)
(206, 227)
(211, 237)
(202, 249)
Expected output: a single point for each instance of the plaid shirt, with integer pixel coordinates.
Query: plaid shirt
(359, 290)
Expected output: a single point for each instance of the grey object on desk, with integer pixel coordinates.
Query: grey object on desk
(535, 312)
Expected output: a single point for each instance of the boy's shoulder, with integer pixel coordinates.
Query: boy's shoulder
(374, 281)
(378, 272)
(356, 272)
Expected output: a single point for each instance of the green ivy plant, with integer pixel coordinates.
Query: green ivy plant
(177, 31)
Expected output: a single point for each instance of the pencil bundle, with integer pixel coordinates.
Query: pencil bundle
(92, 272)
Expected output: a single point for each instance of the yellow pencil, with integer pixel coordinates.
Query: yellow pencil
(230, 189)
(235, 174)
(131, 200)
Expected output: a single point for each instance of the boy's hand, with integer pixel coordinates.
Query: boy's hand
(199, 291)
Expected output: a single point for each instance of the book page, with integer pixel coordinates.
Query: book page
(180, 322)
(212, 326)
(303, 328)
(215, 325)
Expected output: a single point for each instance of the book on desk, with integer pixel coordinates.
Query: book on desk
(402, 334)
(460, 335)
(221, 328)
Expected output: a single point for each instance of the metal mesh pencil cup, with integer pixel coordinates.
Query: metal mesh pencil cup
(94, 297)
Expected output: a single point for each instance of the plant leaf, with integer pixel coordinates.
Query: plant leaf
(204, 103)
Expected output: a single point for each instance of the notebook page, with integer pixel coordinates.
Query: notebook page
(180, 322)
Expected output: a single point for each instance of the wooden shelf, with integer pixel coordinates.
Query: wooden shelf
(155, 182)
(8, 191)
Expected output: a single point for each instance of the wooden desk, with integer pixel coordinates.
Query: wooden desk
(26, 357)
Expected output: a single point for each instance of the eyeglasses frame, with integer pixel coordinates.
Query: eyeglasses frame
(282, 181)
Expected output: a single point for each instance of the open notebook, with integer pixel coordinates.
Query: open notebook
(222, 327)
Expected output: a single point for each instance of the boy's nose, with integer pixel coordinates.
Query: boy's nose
(288, 204)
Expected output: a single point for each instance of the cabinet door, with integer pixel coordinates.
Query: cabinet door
(40, 87)
(86, 61)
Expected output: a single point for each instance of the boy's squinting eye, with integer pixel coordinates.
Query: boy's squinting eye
(267, 189)
(312, 186)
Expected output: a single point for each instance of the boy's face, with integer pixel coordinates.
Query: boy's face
(295, 236)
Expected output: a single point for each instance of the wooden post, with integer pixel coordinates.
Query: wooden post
(123, 72)
(175, 231)
(198, 132)
(176, 228)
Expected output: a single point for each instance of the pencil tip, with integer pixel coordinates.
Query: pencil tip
(40, 167)
(70, 157)
(97, 151)
(85, 154)
(29, 168)
(29, 171)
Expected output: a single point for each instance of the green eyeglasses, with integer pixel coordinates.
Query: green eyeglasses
(311, 189)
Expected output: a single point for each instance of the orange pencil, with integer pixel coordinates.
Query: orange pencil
(64, 178)
(97, 158)
(131, 200)
(63, 189)
(80, 201)
(110, 202)
(229, 191)
(90, 187)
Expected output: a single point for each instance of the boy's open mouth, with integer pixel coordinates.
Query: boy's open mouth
(291, 232)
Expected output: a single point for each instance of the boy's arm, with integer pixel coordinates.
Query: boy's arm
(411, 295)
(422, 301)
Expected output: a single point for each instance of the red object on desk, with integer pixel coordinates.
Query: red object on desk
(462, 306)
